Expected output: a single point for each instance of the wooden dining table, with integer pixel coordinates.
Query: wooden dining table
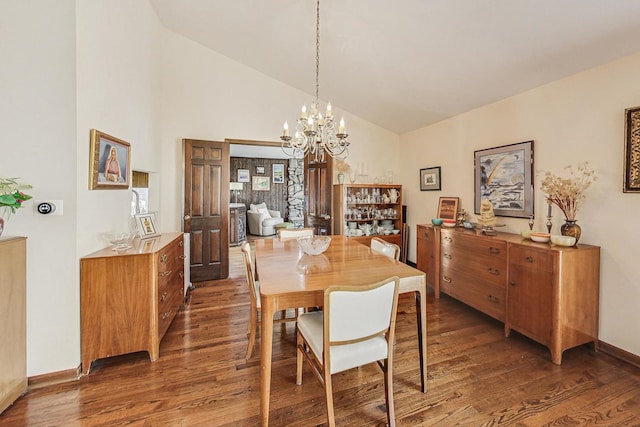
(289, 278)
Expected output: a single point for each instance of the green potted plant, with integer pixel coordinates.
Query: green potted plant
(11, 198)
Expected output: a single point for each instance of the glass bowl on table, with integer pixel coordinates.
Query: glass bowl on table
(314, 245)
(120, 241)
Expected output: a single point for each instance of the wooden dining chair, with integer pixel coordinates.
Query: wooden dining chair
(385, 248)
(254, 297)
(294, 233)
(355, 328)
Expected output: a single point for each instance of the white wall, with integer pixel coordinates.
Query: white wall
(580, 118)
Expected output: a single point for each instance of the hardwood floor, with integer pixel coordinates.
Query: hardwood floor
(476, 377)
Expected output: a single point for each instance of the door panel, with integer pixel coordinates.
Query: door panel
(205, 209)
(318, 194)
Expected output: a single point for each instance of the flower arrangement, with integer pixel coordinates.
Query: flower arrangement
(11, 195)
(569, 193)
(341, 166)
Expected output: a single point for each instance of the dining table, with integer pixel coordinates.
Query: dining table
(291, 279)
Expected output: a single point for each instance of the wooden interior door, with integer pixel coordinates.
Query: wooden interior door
(206, 207)
(318, 180)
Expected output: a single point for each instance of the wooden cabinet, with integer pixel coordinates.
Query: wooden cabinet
(361, 204)
(237, 223)
(13, 320)
(546, 292)
(128, 299)
(554, 295)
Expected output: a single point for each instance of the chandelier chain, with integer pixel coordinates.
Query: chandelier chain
(317, 51)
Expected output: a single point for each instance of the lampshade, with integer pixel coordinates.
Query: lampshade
(235, 186)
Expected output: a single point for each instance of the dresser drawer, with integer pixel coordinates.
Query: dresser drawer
(527, 258)
(487, 269)
(473, 245)
(486, 297)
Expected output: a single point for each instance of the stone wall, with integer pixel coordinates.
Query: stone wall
(295, 190)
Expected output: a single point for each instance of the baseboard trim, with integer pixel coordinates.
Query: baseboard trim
(53, 378)
(619, 353)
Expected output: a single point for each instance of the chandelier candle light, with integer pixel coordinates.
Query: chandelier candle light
(315, 134)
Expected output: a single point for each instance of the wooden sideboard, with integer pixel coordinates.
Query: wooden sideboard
(13, 319)
(128, 299)
(237, 223)
(548, 293)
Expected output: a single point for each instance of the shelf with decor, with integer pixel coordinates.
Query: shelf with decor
(362, 211)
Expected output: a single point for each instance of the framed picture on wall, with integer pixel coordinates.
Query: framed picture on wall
(260, 183)
(430, 179)
(109, 164)
(243, 175)
(260, 169)
(503, 175)
(278, 173)
(631, 182)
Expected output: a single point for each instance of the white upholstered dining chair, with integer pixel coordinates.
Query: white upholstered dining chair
(385, 248)
(355, 328)
(254, 297)
(294, 233)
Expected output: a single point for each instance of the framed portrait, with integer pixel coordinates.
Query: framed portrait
(260, 169)
(109, 162)
(503, 175)
(146, 224)
(430, 179)
(243, 175)
(278, 173)
(448, 208)
(260, 183)
(631, 182)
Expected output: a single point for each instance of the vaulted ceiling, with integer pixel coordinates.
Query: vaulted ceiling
(406, 64)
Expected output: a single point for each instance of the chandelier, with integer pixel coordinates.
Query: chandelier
(316, 135)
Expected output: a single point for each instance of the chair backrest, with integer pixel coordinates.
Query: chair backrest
(294, 233)
(385, 248)
(250, 271)
(358, 313)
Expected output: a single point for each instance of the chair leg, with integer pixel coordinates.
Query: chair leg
(328, 391)
(252, 330)
(388, 393)
(300, 343)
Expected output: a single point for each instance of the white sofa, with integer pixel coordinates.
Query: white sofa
(262, 221)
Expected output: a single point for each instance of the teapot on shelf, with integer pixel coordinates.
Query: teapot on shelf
(393, 195)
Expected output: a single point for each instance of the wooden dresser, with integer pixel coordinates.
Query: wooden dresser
(546, 292)
(237, 223)
(128, 299)
(13, 319)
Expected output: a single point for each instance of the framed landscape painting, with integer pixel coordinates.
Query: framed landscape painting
(503, 175)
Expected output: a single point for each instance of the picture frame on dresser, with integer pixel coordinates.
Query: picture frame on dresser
(448, 208)
(631, 174)
(504, 176)
(146, 224)
(430, 179)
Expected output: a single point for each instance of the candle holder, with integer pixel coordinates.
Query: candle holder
(531, 222)
(549, 224)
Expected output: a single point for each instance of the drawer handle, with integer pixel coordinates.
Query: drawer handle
(494, 251)
(165, 273)
(446, 279)
(182, 256)
(494, 271)
(181, 274)
(164, 296)
(181, 244)
(512, 283)
(163, 258)
(166, 314)
(528, 259)
(493, 299)
(447, 239)
(446, 255)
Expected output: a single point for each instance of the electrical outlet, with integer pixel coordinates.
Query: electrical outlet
(48, 207)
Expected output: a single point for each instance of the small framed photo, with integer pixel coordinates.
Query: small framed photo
(448, 208)
(430, 179)
(243, 175)
(278, 173)
(260, 183)
(109, 165)
(260, 169)
(146, 224)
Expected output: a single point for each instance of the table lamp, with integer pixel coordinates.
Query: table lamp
(235, 187)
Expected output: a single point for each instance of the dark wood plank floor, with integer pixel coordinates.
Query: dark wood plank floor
(476, 377)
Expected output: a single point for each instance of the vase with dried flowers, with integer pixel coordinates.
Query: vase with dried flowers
(11, 198)
(342, 167)
(568, 193)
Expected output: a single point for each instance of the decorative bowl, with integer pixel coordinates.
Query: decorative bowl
(540, 237)
(559, 240)
(395, 231)
(449, 223)
(121, 241)
(436, 221)
(526, 234)
(314, 245)
(469, 225)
